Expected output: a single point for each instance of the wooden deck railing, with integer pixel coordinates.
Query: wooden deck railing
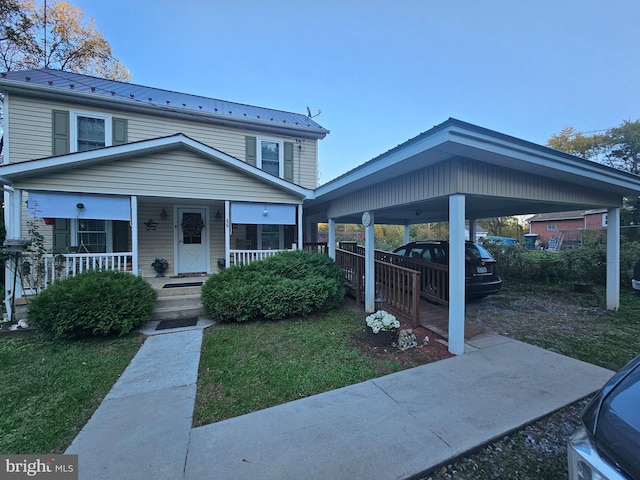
(434, 283)
(397, 287)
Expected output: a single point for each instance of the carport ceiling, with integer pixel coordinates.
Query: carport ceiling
(453, 140)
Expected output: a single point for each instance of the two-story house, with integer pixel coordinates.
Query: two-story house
(117, 175)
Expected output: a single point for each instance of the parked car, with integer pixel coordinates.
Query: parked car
(635, 283)
(502, 240)
(481, 272)
(607, 445)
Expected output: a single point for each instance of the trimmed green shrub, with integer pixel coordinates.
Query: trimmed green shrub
(95, 302)
(583, 264)
(289, 283)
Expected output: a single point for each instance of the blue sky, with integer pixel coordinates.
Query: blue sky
(382, 72)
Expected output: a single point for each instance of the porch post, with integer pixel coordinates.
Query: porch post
(369, 266)
(300, 238)
(613, 258)
(331, 240)
(13, 225)
(406, 229)
(227, 234)
(134, 234)
(456, 274)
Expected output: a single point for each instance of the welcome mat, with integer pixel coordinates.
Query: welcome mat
(185, 284)
(177, 323)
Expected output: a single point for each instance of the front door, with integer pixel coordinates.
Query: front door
(193, 240)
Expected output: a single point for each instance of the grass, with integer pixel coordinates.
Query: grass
(251, 366)
(50, 388)
(557, 318)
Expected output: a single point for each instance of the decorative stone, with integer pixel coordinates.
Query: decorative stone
(406, 339)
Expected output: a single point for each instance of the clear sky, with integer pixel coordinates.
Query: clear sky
(382, 72)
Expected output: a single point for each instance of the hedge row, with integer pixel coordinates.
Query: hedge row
(585, 264)
(286, 284)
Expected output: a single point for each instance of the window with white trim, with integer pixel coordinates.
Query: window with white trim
(552, 226)
(89, 131)
(605, 219)
(270, 237)
(93, 236)
(270, 156)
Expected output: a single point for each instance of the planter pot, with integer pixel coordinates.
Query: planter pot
(380, 339)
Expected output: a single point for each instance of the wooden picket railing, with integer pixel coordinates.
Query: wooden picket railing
(434, 282)
(398, 288)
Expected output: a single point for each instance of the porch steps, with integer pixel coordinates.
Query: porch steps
(174, 303)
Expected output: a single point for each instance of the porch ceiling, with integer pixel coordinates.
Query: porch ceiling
(498, 174)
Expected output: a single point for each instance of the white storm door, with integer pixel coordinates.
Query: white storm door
(193, 239)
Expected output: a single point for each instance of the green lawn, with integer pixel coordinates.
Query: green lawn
(50, 388)
(254, 365)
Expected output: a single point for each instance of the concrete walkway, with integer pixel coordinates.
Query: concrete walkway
(396, 426)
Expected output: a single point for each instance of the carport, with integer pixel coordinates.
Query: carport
(459, 172)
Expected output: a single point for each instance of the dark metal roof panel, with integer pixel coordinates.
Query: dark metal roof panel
(70, 81)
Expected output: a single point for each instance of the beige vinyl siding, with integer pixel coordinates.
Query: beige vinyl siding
(177, 174)
(467, 177)
(30, 134)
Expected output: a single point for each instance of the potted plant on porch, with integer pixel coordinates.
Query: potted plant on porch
(382, 327)
(160, 265)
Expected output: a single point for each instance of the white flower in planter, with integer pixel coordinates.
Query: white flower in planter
(382, 321)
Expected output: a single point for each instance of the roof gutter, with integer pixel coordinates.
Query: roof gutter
(45, 92)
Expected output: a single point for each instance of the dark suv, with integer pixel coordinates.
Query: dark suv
(481, 272)
(607, 446)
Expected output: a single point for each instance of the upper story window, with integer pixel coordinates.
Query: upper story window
(270, 156)
(552, 226)
(89, 131)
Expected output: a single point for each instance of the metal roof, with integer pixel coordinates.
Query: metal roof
(63, 81)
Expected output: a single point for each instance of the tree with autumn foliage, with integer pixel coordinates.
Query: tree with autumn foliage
(56, 37)
(617, 147)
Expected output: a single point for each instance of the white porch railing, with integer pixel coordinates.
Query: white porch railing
(245, 257)
(56, 266)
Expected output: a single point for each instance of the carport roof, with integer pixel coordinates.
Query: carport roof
(458, 140)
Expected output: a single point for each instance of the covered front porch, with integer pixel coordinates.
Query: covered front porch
(123, 207)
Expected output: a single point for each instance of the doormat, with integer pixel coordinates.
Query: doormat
(185, 284)
(177, 323)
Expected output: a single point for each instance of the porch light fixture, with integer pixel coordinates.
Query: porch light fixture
(163, 214)
(80, 206)
(265, 212)
(217, 216)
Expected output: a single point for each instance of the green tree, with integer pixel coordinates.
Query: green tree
(617, 147)
(58, 38)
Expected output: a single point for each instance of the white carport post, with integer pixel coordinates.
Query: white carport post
(456, 274)
(300, 238)
(613, 258)
(134, 234)
(369, 267)
(331, 240)
(406, 233)
(227, 234)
